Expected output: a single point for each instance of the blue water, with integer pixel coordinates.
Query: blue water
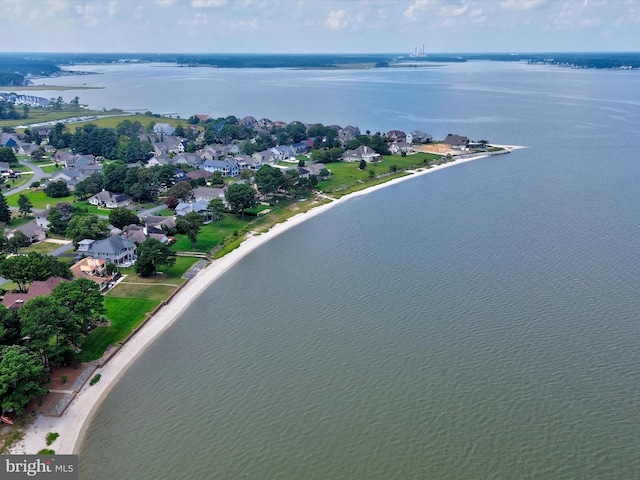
(476, 322)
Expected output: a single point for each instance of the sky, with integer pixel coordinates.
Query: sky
(320, 26)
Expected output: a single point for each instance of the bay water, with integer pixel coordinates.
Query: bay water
(477, 322)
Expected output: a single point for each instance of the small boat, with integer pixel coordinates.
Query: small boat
(6, 420)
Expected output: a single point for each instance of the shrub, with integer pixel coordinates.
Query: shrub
(95, 379)
(51, 437)
(63, 379)
(46, 451)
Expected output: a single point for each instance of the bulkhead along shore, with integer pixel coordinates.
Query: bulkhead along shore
(72, 423)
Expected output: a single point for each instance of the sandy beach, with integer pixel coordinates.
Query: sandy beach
(73, 423)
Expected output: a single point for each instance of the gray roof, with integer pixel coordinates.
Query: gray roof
(110, 245)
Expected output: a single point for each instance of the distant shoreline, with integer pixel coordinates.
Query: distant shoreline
(23, 88)
(72, 425)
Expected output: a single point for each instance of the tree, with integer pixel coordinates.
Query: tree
(171, 202)
(57, 189)
(24, 205)
(121, 217)
(7, 155)
(179, 130)
(89, 186)
(241, 196)
(216, 207)
(83, 298)
(151, 254)
(52, 329)
(24, 269)
(269, 179)
(5, 213)
(87, 226)
(190, 225)
(363, 164)
(181, 190)
(21, 378)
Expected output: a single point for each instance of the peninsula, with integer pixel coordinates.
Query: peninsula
(262, 177)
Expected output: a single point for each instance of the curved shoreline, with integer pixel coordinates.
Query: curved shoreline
(72, 425)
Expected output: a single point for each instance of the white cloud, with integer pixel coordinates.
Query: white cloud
(522, 4)
(413, 12)
(336, 20)
(208, 3)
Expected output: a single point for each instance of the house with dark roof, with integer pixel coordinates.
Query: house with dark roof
(116, 250)
(110, 200)
(36, 289)
(456, 142)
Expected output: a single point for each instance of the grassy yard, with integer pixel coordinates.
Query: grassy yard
(124, 314)
(112, 122)
(38, 115)
(41, 247)
(212, 234)
(129, 303)
(38, 199)
(348, 174)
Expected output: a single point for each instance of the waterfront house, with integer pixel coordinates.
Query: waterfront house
(207, 194)
(361, 153)
(399, 147)
(227, 167)
(456, 142)
(116, 250)
(37, 288)
(396, 136)
(199, 206)
(418, 136)
(93, 269)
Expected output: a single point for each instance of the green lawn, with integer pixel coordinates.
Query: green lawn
(50, 169)
(212, 234)
(124, 314)
(38, 199)
(348, 174)
(41, 247)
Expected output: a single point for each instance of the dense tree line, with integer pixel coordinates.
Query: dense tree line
(45, 332)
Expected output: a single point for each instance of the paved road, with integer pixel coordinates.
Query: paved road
(38, 174)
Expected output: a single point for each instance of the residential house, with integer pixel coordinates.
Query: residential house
(26, 148)
(418, 136)
(116, 250)
(8, 140)
(348, 133)
(202, 117)
(5, 169)
(199, 206)
(227, 167)
(197, 174)
(70, 176)
(314, 168)
(219, 152)
(159, 160)
(247, 162)
(300, 147)
(456, 142)
(265, 157)
(249, 121)
(79, 161)
(163, 129)
(140, 233)
(192, 159)
(283, 152)
(93, 269)
(361, 153)
(31, 230)
(157, 221)
(41, 219)
(396, 136)
(36, 289)
(207, 194)
(110, 200)
(399, 147)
